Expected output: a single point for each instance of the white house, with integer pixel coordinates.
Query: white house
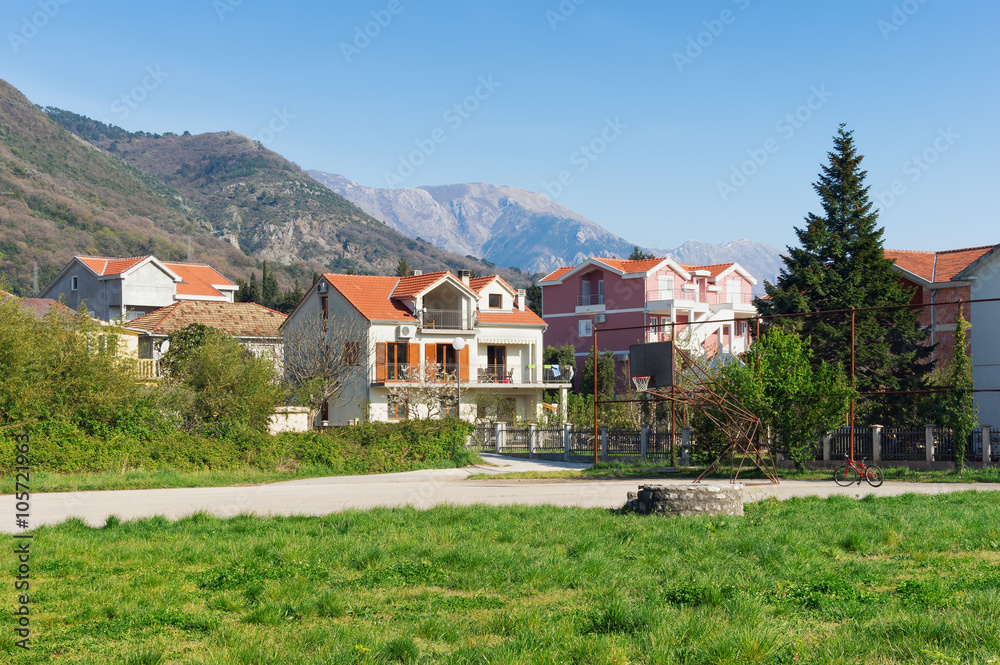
(135, 286)
(416, 322)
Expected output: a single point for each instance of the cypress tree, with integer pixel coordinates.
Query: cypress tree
(270, 292)
(840, 265)
(253, 289)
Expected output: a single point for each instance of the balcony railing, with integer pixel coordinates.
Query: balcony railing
(587, 301)
(474, 373)
(691, 295)
(446, 319)
(146, 369)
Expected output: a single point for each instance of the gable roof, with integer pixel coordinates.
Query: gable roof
(106, 267)
(937, 267)
(371, 295)
(630, 267)
(238, 319)
(515, 317)
(200, 279)
(416, 284)
(556, 274)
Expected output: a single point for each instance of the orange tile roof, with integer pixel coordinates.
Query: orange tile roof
(627, 266)
(370, 295)
(937, 267)
(477, 284)
(104, 266)
(511, 318)
(199, 279)
(714, 269)
(414, 284)
(238, 319)
(556, 274)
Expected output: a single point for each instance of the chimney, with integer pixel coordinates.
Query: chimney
(522, 299)
(417, 273)
(465, 276)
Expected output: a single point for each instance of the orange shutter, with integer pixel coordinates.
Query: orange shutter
(430, 353)
(413, 355)
(380, 362)
(463, 357)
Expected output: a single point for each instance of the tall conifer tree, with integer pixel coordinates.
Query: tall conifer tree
(840, 265)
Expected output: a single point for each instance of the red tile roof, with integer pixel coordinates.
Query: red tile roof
(937, 267)
(556, 274)
(104, 266)
(477, 284)
(199, 279)
(714, 269)
(370, 295)
(238, 319)
(630, 267)
(414, 284)
(517, 317)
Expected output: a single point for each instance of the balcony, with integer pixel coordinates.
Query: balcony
(447, 319)
(482, 375)
(693, 296)
(588, 301)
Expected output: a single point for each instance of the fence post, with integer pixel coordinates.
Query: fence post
(987, 450)
(567, 440)
(531, 441)
(604, 443)
(929, 442)
(498, 436)
(685, 446)
(644, 442)
(876, 443)
(826, 447)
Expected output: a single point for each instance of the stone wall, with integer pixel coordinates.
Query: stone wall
(678, 500)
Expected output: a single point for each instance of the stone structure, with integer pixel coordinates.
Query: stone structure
(678, 500)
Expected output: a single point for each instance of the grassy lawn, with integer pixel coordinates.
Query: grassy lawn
(911, 579)
(607, 470)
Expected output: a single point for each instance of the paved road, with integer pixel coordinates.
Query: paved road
(422, 489)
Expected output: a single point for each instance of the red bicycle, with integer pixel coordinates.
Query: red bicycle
(853, 471)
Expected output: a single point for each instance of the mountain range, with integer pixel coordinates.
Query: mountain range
(509, 226)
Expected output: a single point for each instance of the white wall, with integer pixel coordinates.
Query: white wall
(985, 333)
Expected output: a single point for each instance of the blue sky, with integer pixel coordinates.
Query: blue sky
(661, 121)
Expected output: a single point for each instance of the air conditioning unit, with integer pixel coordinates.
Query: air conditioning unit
(407, 331)
(600, 318)
(322, 287)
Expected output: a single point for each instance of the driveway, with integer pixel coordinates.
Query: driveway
(422, 489)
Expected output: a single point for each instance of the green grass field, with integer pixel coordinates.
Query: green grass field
(912, 579)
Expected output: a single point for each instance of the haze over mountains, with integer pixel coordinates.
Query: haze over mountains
(514, 227)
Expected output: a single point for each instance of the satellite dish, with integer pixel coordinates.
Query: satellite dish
(164, 346)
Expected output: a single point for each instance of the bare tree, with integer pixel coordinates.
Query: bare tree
(428, 392)
(324, 356)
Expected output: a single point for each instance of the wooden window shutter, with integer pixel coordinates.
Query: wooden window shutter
(380, 362)
(430, 353)
(463, 356)
(413, 355)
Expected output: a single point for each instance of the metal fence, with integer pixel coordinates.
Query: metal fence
(550, 439)
(899, 444)
(658, 445)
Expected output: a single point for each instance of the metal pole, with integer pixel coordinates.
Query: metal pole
(595, 393)
(852, 382)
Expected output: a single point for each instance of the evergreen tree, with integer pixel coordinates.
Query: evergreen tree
(534, 293)
(270, 292)
(639, 255)
(840, 265)
(292, 298)
(403, 269)
(253, 289)
(961, 408)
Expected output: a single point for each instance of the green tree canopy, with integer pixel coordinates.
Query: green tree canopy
(639, 255)
(605, 376)
(840, 265)
(960, 409)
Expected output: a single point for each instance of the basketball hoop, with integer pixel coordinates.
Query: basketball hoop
(641, 383)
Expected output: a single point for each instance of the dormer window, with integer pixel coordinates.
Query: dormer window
(74, 283)
(496, 301)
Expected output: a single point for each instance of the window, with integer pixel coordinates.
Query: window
(496, 362)
(586, 330)
(397, 361)
(324, 303)
(666, 284)
(654, 327)
(74, 283)
(600, 292)
(734, 290)
(397, 407)
(496, 301)
(352, 353)
(145, 349)
(449, 409)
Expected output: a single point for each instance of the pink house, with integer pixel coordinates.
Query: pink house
(712, 305)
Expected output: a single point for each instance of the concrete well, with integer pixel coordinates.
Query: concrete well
(676, 500)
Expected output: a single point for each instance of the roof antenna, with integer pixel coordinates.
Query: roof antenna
(189, 248)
